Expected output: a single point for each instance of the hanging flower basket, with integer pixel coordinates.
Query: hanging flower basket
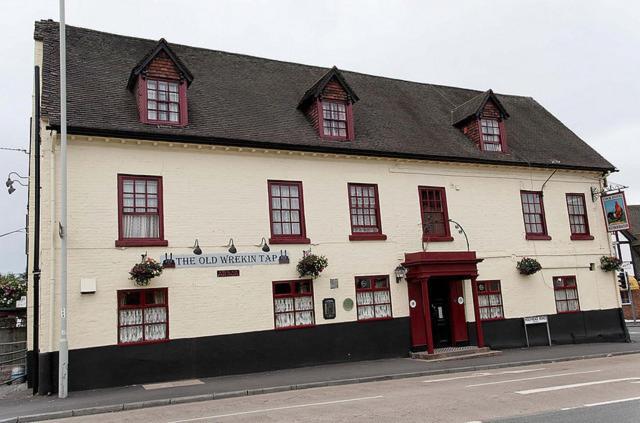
(144, 271)
(528, 266)
(312, 265)
(610, 263)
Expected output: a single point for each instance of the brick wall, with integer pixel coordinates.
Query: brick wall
(471, 127)
(162, 67)
(635, 295)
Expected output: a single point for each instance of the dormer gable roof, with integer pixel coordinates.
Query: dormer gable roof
(161, 47)
(316, 89)
(475, 106)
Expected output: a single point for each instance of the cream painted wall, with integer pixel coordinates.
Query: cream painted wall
(217, 194)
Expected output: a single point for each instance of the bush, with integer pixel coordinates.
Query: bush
(610, 263)
(144, 271)
(312, 265)
(12, 288)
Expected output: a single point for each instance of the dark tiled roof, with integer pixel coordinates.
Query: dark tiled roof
(318, 87)
(474, 106)
(634, 220)
(242, 100)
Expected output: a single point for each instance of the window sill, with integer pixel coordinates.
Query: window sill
(295, 327)
(375, 319)
(492, 320)
(538, 237)
(581, 237)
(296, 240)
(141, 243)
(367, 237)
(127, 344)
(426, 238)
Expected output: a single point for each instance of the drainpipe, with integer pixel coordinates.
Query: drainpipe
(36, 238)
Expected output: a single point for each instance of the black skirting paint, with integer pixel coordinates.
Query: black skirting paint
(176, 359)
(566, 328)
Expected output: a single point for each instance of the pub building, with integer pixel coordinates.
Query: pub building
(230, 169)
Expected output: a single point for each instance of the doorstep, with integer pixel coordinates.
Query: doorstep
(455, 353)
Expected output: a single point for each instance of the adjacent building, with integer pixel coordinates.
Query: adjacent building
(228, 169)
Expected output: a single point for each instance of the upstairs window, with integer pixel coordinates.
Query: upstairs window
(286, 210)
(140, 214)
(533, 212)
(578, 222)
(435, 218)
(163, 101)
(334, 119)
(490, 135)
(566, 293)
(365, 212)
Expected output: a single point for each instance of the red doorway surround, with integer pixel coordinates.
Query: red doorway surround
(423, 267)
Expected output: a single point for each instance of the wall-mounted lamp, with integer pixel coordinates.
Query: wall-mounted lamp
(10, 182)
(196, 248)
(401, 273)
(264, 245)
(232, 247)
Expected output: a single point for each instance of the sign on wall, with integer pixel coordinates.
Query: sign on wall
(227, 259)
(615, 211)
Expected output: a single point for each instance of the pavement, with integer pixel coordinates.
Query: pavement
(601, 389)
(21, 406)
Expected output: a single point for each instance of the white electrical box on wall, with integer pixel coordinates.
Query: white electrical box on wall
(87, 286)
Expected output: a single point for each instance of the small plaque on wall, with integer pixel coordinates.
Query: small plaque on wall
(329, 308)
(228, 273)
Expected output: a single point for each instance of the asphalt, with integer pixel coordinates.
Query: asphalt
(23, 407)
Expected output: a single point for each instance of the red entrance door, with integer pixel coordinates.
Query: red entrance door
(417, 317)
(459, 332)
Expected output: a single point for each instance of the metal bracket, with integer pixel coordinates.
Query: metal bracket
(60, 230)
(599, 192)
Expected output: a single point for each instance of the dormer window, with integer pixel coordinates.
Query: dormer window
(490, 135)
(481, 119)
(160, 83)
(334, 119)
(163, 101)
(328, 105)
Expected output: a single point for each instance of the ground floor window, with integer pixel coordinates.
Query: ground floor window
(373, 297)
(490, 300)
(625, 297)
(566, 293)
(143, 316)
(293, 304)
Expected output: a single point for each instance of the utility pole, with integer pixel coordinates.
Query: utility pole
(63, 360)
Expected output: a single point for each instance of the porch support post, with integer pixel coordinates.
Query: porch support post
(476, 312)
(427, 314)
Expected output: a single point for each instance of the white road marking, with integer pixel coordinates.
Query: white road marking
(595, 404)
(532, 378)
(151, 386)
(457, 377)
(266, 410)
(484, 374)
(574, 385)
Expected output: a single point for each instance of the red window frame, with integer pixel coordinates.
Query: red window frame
(349, 120)
(543, 235)
(567, 283)
(366, 210)
(502, 135)
(140, 242)
(372, 288)
(143, 102)
(287, 238)
(489, 288)
(293, 293)
(424, 208)
(571, 209)
(143, 305)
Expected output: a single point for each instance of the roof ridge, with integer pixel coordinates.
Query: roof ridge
(249, 56)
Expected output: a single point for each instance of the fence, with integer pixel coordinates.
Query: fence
(13, 348)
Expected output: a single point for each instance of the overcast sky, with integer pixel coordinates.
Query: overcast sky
(577, 58)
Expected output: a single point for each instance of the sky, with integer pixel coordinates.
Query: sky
(577, 58)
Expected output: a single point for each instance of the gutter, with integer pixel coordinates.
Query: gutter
(74, 130)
